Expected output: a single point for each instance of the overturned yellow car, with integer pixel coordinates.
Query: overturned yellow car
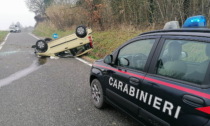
(75, 44)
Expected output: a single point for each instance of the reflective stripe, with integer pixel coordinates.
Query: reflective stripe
(120, 71)
(191, 91)
(204, 109)
(179, 88)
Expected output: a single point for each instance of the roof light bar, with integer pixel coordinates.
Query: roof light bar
(195, 22)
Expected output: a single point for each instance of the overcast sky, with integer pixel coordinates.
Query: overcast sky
(13, 11)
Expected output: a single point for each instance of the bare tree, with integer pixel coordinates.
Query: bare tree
(36, 6)
(186, 5)
(104, 14)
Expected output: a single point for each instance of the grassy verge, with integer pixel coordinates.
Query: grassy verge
(46, 30)
(3, 34)
(107, 41)
(104, 41)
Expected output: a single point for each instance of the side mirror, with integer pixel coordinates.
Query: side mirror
(123, 61)
(33, 46)
(108, 59)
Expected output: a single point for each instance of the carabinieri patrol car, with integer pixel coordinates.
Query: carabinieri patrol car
(160, 78)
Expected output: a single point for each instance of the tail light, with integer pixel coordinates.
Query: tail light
(91, 41)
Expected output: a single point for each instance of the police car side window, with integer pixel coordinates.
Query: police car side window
(184, 60)
(135, 54)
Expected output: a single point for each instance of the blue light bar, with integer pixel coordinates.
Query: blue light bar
(195, 22)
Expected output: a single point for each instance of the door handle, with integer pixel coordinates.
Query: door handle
(105, 71)
(123, 70)
(134, 81)
(152, 84)
(193, 101)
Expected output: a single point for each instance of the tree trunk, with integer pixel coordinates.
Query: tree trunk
(186, 6)
(151, 11)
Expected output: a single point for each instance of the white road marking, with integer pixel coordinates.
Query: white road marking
(4, 41)
(20, 74)
(85, 62)
(33, 36)
(81, 60)
(9, 53)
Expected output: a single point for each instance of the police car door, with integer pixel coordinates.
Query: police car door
(125, 81)
(176, 76)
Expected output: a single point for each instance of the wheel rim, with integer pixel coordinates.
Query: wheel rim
(96, 94)
(40, 45)
(80, 30)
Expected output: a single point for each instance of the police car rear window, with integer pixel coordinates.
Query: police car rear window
(184, 60)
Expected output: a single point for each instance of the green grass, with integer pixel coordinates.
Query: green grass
(107, 41)
(46, 31)
(3, 34)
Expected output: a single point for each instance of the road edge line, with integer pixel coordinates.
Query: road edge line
(33, 36)
(1, 46)
(81, 60)
(85, 62)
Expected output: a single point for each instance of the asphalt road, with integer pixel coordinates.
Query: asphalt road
(47, 92)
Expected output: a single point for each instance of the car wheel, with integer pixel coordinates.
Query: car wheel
(47, 40)
(97, 96)
(41, 46)
(81, 31)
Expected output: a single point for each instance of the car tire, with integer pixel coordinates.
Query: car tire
(81, 31)
(41, 46)
(47, 40)
(97, 96)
